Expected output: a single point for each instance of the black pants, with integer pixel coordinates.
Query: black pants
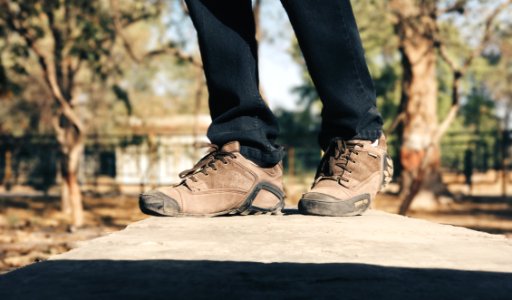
(330, 42)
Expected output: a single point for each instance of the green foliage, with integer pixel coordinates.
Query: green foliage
(387, 83)
(297, 129)
(478, 113)
(79, 42)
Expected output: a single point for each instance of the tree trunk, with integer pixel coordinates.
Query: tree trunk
(505, 151)
(65, 201)
(420, 152)
(71, 145)
(7, 180)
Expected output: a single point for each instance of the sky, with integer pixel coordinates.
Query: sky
(279, 74)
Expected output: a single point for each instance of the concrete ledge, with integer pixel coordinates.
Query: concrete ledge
(378, 255)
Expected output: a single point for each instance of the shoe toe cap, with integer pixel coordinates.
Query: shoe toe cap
(157, 203)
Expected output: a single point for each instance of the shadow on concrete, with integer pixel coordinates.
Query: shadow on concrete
(174, 279)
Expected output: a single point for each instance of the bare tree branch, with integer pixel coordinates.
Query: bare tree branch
(58, 47)
(170, 48)
(444, 56)
(458, 6)
(176, 52)
(184, 7)
(60, 133)
(119, 30)
(398, 120)
(489, 22)
(460, 71)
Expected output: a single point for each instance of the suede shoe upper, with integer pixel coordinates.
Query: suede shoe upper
(348, 177)
(222, 182)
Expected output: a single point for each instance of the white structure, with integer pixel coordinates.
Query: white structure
(171, 147)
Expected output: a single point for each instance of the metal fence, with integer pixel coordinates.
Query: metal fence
(482, 151)
(149, 160)
(108, 160)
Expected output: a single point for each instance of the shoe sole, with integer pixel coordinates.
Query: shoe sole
(325, 205)
(246, 208)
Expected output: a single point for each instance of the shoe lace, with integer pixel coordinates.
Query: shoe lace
(213, 155)
(337, 155)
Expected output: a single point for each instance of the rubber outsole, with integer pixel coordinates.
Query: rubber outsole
(324, 205)
(246, 208)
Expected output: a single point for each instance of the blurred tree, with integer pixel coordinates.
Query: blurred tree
(419, 26)
(57, 41)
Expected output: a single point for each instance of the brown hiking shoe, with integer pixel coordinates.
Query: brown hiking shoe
(223, 182)
(349, 176)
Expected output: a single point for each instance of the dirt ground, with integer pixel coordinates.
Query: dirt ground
(33, 228)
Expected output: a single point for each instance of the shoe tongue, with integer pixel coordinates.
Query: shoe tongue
(233, 146)
(350, 144)
(339, 148)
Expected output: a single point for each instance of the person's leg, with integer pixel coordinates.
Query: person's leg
(329, 39)
(355, 163)
(226, 34)
(241, 173)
